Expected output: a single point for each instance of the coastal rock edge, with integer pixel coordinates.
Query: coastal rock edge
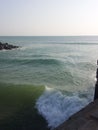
(6, 46)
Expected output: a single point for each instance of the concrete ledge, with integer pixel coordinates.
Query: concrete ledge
(85, 119)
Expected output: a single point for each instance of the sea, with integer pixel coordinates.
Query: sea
(64, 65)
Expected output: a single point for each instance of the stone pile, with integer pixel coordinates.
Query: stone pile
(7, 46)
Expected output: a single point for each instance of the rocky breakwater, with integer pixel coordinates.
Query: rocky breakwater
(6, 46)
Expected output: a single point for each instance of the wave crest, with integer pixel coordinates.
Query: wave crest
(56, 107)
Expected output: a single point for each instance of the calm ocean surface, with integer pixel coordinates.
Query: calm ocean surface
(66, 66)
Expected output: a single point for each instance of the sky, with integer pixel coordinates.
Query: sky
(48, 17)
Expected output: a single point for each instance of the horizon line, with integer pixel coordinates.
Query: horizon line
(45, 35)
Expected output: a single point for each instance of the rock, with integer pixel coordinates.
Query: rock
(96, 91)
(7, 46)
(96, 85)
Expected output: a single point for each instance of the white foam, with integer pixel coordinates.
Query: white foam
(25, 47)
(56, 107)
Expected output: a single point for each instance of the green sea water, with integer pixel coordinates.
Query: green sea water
(52, 77)
(17, 107)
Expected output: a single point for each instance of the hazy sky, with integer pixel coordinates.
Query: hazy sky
(48, 17)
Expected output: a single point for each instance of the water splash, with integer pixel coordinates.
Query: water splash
(56, 107)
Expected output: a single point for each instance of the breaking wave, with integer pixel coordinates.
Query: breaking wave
(56, 107)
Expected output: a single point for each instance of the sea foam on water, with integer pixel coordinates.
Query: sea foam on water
(56, 107)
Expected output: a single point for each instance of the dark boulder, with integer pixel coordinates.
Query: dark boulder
(96, 91)
(7, 46)
(96, 85)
